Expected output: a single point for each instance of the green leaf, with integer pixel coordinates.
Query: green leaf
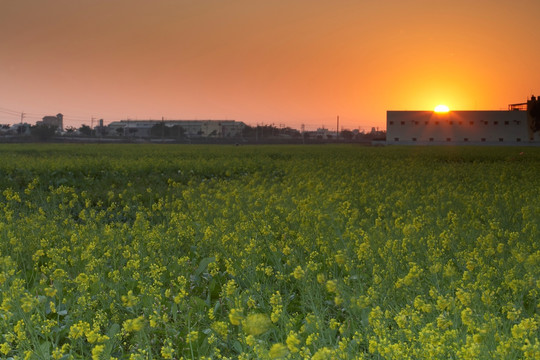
(44, 348)
(238, 347)
(203, 265)
(109, 345)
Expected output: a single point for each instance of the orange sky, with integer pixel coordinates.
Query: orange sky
(288, 62)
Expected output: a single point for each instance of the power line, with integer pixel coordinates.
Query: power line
(12, 114)
(9, 110)
(9, 114)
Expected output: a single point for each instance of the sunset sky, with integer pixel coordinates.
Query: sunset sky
(281, 62)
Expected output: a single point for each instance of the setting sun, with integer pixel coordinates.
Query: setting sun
(441, 108)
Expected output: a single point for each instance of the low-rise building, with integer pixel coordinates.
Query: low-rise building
(518, 125)
(191, 128)
(57, 121)
(19, 129)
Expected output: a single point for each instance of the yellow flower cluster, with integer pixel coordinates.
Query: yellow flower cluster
(335, 252)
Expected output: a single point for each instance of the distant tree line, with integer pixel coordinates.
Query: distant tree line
(269, 131)
(44, 132)
(169, 132)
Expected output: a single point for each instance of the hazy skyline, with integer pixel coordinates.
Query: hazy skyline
(281, 62)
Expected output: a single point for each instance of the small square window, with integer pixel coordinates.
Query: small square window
(483, 139)
(413, 139)
(461, 123)
(430, 139)
(451, 122)
(416, 123)
(495, 123)
(485, 122)
(391, 123)
(466, 139)
(501, 139)
(427, 122)
(518, 139)
(506, 122)
(517, 122)
(396, 139)
(448, 139)
(403, 123)
(471, 122)
(436, 123)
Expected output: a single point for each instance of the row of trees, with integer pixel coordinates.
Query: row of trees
(269, 131)
(41, 131)
(160, 130)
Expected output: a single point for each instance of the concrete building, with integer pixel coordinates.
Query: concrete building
(518, 125)
(57, 121)
(192, 128)
(18, 129)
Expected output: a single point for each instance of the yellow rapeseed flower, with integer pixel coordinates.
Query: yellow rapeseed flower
(220, 327)
(97, 351)
(167, 351)
(293, 342)
(278, 351)
(78, 330)
(298, 273)
(94, 336)
(192, 336)
(57, 354)
(236, 316)
(28, 302)
(130, 300)
(323, 354)
(256, 324)
(133, 325)
(331, 286)
(5, 348)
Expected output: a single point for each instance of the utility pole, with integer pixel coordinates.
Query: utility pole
(337, 128)
(162, 129)
(20, 129)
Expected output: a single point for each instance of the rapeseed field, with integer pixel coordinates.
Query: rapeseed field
(271, 252)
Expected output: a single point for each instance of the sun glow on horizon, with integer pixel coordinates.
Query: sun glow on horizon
(441, 109)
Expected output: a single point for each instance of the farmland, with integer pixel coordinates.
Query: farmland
(270, 252)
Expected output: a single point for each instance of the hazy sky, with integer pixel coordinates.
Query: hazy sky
(288, 62)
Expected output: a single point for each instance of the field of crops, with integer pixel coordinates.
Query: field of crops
(270, 252)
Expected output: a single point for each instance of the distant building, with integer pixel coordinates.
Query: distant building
(192, 128)
(19, 129)
(518, 125)
(323, 133)
(57, 121)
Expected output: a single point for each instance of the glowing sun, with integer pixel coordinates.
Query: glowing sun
(442, 109)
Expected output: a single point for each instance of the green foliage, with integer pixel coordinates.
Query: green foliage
(85, 130)
(43, 131)
(162, 130)
(167, 251)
